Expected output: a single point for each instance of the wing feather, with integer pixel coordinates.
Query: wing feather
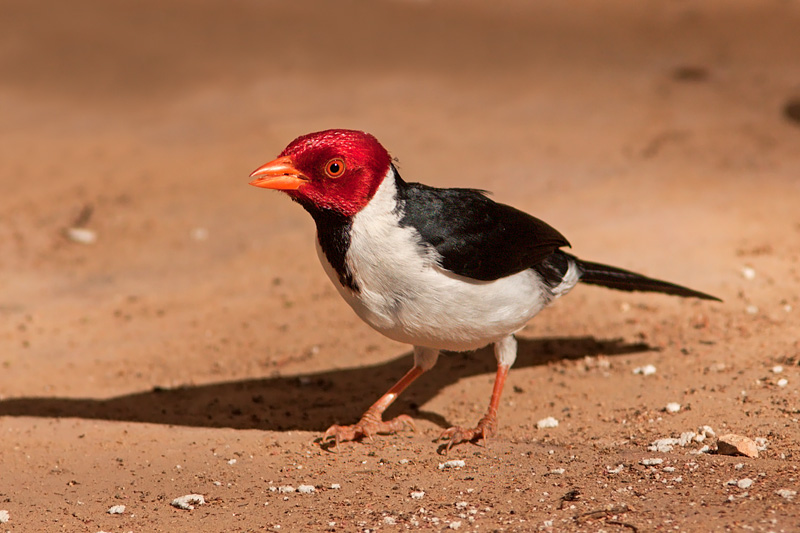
(475, 236)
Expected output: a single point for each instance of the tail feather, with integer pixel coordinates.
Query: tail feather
(625, 280)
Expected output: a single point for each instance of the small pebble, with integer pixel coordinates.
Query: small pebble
(417, 494)
(706, 431)
(455, 525)
(687, 437)
(232, 462)
(748, 272)
(646, 370)
(651, 462)
(705, 449)
(673, 407)
(336, 486)
(744, 483)
(188, 502)
(4, 516)
(736, 445)
(616, 470)
(777, 369)
(548, 422)
(455, 463)
(663, 445)
(82, 235)
(116, 509)
(786, 494)
(306, 489)
(751, 309)
(783, 382)
(286, 489)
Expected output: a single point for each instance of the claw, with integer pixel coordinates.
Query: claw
(458, 435)
(367, 428)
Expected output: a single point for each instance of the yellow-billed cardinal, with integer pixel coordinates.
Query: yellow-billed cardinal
(441, 269)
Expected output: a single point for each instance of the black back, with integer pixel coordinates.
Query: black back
(477, 237)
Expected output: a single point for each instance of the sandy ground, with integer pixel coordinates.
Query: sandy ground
(197, 346)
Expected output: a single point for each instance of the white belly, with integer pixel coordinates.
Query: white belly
(443, 311)
(408, 297)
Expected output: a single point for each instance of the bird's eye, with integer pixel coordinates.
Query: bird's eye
(335, 167)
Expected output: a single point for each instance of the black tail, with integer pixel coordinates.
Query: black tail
(625, 280)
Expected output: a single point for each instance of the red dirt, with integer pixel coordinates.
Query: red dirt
(200, 329)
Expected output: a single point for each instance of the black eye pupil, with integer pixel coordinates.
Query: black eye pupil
(334, 168)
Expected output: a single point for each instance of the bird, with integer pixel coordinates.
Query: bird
(438, 268)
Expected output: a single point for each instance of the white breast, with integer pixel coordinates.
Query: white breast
(407, 296)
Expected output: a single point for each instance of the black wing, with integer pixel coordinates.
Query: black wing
(477, 237)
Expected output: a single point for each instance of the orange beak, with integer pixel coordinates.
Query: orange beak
(279, 174)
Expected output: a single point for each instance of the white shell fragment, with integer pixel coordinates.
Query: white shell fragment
(4, 517)
(687, 437)
(748, 272)
(786, 494)
(116, 509)
(417, 494)
(306, 489)
(81, 235)
(188, 502)
(548, 422)
(663, 445)
(707, 432)
(455, 463)
(673, 407)
(745, 483)
(646, 370)
(651, 462)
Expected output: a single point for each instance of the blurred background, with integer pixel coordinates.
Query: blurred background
(659, 135)
(150, 300)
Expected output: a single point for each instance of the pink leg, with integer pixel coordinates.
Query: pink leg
(488, 424)
(371, 422)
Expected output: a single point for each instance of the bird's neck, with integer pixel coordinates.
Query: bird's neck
(334, 232)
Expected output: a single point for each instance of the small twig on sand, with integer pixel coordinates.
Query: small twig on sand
(609, 512)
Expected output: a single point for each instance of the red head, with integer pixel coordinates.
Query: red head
(332, 169)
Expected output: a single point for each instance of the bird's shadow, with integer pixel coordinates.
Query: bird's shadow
(310, 402)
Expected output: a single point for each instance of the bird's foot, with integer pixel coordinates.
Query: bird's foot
(457, 434)
(369, 425)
